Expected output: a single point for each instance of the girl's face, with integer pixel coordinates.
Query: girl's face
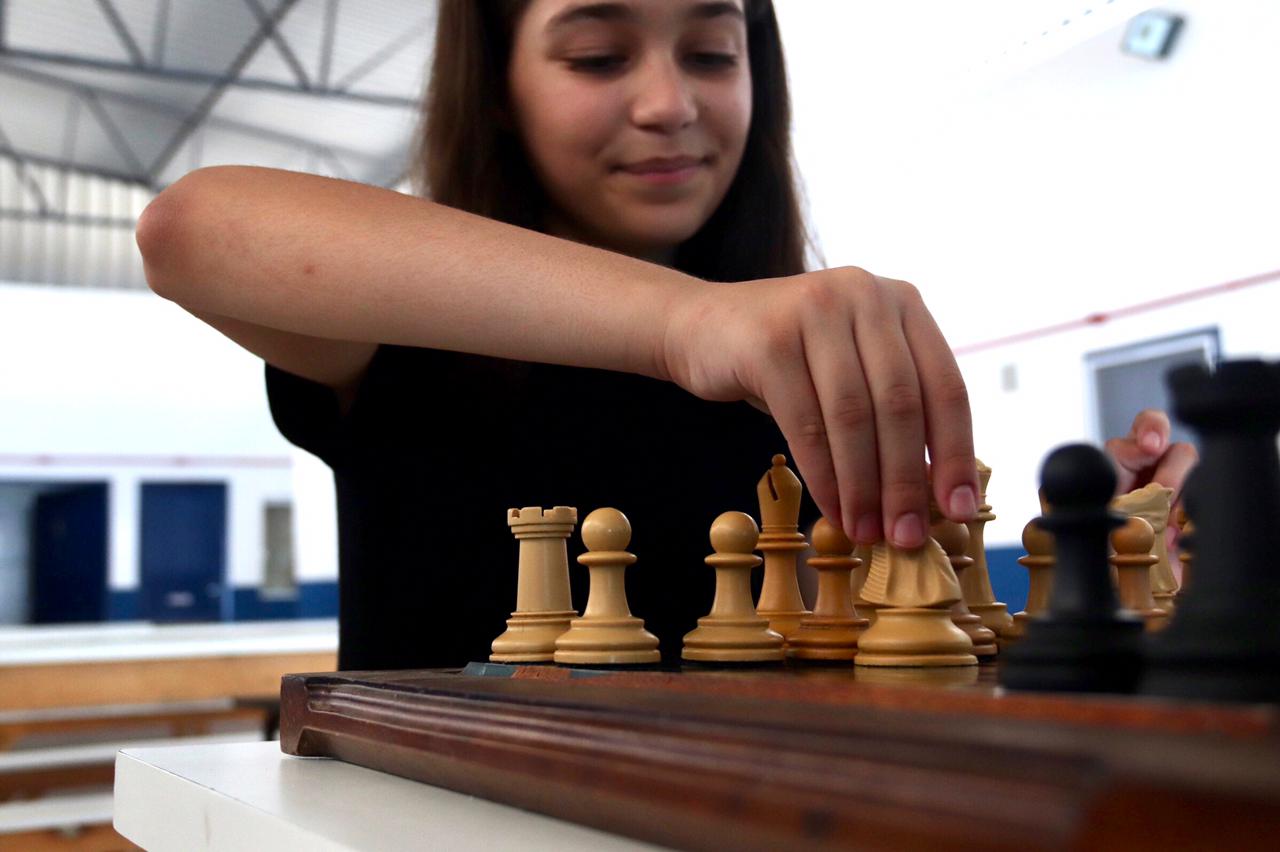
(634, 114)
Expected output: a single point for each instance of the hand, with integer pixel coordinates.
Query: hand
(1145, 455)
(859, 379)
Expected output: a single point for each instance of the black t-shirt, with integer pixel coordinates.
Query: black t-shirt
(438, 446)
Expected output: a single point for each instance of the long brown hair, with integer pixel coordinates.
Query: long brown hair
(469, 157)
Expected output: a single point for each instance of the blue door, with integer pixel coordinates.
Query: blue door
(69, 565)
(184, 551)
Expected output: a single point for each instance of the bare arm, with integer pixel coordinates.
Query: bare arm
(311, 273)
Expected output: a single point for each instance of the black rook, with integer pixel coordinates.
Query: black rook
(1224, 640)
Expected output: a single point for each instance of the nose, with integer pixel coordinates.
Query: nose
(664, 100)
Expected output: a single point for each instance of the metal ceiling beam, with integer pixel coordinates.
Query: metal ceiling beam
(57, 163)
(282, 45)
(118, 140)
(380, 57)
(61, 218)
(22, 167)
(187, 75)
(326, 40)
(160, 34)
(202, 110)
(122, 32)
(70, 135)
(227, 124)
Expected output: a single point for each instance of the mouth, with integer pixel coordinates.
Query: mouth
(665, 170)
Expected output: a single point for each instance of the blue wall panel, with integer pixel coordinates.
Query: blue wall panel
(318, 600)
(122, 605)
(1008, 578)
(314, 600)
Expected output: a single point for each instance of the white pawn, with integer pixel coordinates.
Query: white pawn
(607, 634)
(733, 632)
(831, 631)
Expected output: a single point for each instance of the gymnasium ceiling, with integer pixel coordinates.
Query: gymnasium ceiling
(143, 91)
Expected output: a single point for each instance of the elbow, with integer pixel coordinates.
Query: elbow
(155, 234)
(167, 234)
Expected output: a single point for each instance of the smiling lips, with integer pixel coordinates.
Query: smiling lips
(664, 170)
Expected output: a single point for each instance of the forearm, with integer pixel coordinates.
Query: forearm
(344, 261)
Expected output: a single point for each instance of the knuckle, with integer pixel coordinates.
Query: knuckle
(904, 491)
(907, 292)
(854, 279)
(819, 295)
(862, 499)
(900, 402)
(779, 341)
(951, 391)
(811, 431)
(957, 463)
(852, 411)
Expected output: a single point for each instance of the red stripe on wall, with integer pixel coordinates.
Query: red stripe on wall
(1118, 313)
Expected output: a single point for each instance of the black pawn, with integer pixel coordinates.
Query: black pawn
(1084, 643)
(1223, 642)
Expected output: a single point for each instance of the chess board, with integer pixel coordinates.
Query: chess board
(811, 758)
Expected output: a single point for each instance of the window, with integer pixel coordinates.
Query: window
(1127, 379)
(278, 580)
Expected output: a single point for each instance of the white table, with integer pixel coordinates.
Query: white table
(250, 796)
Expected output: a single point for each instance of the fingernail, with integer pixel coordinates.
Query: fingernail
(964, 503)
(1151, 442)
(867, 530)
(908, 531)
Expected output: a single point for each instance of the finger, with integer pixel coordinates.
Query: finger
(1129, 460)
(1150, 431)
(1173, 467)
(899, 418)
(948, 421)
(850, 419)
(789, 394)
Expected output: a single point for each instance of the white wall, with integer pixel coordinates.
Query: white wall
(1023, 189)
(126, 388)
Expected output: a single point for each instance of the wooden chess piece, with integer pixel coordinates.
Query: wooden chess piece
(543, 605)
(1038, 542)
(781, 542)
(1186, 545)
(953, 538)
(1152, 503)
(831, 631)
(1132, 560)
(607, 634)
(1084, 642)
(979, 597)
(914, 590)
(733, 632)
(865, 609)
(1223, 641)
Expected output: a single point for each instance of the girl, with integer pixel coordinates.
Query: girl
(555, 325)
